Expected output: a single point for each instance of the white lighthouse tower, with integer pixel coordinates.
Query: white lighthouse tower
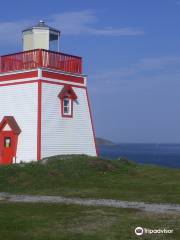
(44, 104)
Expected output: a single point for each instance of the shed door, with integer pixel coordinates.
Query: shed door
(7, 147)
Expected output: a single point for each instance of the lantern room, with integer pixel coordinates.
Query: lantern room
(41, 36)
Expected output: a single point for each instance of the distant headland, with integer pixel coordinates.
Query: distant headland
(104, 142)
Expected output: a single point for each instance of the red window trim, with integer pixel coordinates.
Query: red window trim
(62, 108)
(67, 92)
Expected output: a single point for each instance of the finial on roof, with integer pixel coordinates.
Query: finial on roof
(41, 23)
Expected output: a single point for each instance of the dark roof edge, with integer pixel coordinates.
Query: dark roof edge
(41, 25)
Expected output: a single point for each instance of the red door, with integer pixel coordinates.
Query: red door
(9, 131)
(7, 147)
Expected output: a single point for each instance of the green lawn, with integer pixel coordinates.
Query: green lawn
(87, 177)
(29, 221)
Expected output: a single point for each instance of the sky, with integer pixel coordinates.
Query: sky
(131, 54)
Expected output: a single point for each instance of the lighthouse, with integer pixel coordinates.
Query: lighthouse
(44, 103)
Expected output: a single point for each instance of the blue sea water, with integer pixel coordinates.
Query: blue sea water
(167, 155)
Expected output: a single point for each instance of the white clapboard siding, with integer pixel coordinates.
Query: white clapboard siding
(65, 135)
(20, 101)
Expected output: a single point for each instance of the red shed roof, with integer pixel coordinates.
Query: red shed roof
(67, 91)
(10, 120)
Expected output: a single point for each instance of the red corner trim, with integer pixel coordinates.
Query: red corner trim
(39, 120)
(97, 152)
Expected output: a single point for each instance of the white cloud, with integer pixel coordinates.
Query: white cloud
(116, 32)
(75, 23)
(140, 67)
(70, 23)
(10, 32)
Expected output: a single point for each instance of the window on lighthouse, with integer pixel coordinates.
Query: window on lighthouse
(67, 97)
(67, 107)
(7, 142)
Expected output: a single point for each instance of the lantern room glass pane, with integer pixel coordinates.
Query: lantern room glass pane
(53, 42)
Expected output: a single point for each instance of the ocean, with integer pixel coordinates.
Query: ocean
(167, 155)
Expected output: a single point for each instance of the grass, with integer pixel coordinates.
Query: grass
(69, 222)
(88, 177)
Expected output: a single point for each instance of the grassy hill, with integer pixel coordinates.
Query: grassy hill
(88, 177)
